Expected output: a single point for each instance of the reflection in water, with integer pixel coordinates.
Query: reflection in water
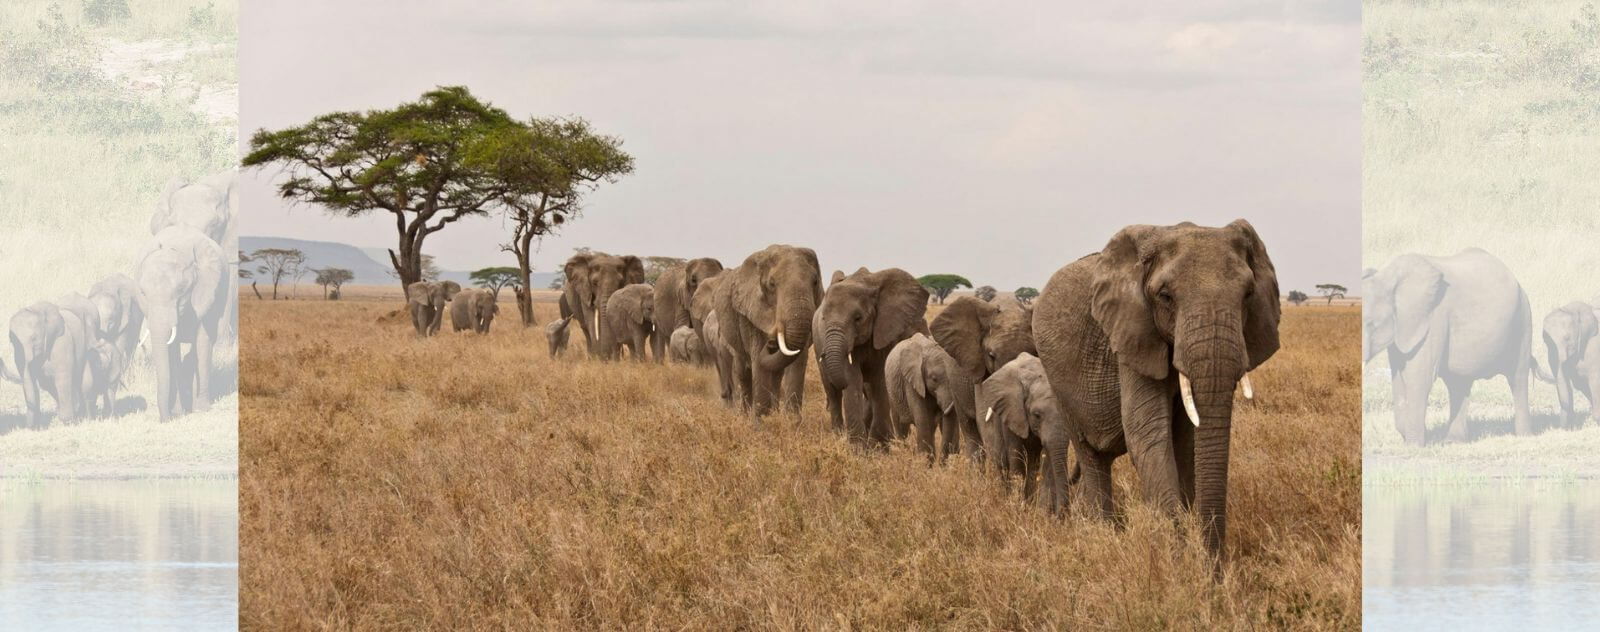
(119, 555)
(1521, 557)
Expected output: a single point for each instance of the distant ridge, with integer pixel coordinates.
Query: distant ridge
(370, 265)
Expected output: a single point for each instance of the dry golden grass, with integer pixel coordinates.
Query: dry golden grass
(459, 482)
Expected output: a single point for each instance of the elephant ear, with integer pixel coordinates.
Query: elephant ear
(451, 289)
(1118, 303)
(902, 301)
(1587, 325)
(564, 307)
(1262, 309)
(916, 370)
(838, 275)
(637, 302)
(632, 269)
(1016, 416)
(1420, 288)
(749, 297)
(960, 329)
(209, 274)
(161, 218)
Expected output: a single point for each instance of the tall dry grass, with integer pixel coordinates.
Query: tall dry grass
(472, 482)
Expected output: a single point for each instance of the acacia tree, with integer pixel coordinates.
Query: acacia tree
(986, 293)
(654, 266)
(551, 164)
(1026, 294)
(1332, 291)
(278, 263)
(247, 274)
(941, 285)
(333, 278)
(429, 163)
(1297, 297)
(495, 278)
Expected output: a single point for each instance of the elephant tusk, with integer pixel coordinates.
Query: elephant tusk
(172, 336)
(987, 414)
(1244, 381)
(947, 407)
(597, 323)
(1188, 399)
(850, 357)
(785, 348)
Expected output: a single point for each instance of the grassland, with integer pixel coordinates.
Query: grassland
(1481, 124)
(469, 481)
(94, 118)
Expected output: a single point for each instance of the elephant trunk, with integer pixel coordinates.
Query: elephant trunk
(1557, 355)
(835, 366)
(1210, 367)
(794, 328)
(1057, 448)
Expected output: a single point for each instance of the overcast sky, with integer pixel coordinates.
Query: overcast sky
(965, 138)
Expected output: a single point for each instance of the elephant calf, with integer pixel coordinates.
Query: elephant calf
(685, 346)
(629, 321)
(102, 376)
(557, 333)
(1020, 418)
(1573, 351)
(925, 387)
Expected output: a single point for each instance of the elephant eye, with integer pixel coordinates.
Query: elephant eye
(1165, 294)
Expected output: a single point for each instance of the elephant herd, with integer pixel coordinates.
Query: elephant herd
(78, 348)
(1135, 349)
(1464, 318)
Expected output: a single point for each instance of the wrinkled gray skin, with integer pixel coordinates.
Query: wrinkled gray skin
(1572, 348)
(860, 320)
(1461, 319)
(474, 309)
(590, 280)
(764, 308)
(685, 346)
(631, 320)
(675, 291)
(925, 388)
(182, 281)
(104, 368)
(211, 206)
(48, 347)
(1020, 412)
(982, 337)
(556, 333)
(721, 356)
(427, 301)
(116, 299)
(1115, 331)
(700, 313)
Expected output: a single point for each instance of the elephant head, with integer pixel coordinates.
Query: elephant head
(1398, 304)
(591, 278)
(1017, 400)
(1200, 301)
(984, 336)
(114, 297)
(776, 290)
(636, 303)
(932, 372)
(697, 271)
(205, 205)
(866, 310)
(485, 308)
(181, 281)
(1568, 331)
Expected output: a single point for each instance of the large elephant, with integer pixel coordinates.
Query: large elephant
(182, 280)
(631, 321)
(116, 299)
(1143, 343)
(675, 294)
(1460, 318)
(427, 300)
(685, 346)
(211, 206)
(764, 308)
(1572, 347)
(591, 277)
(926, 388)
(48, 346)
(982, 337)
(860, 320)
(556, 333)
(474, 309)
(1021, 415)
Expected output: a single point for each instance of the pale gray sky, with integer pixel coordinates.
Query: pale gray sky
(971, 138)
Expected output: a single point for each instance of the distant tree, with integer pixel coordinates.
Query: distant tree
(1026, 294)
(1332, 291)
(334, 278)
(559, 280)
(654, 266)
(986, 293)
(245, 273)
(495, 278)
(941, 285)
(430, 270)
(1297, 297)
(278, 264)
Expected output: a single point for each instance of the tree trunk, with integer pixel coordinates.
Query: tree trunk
(257, 290)
(520, 248)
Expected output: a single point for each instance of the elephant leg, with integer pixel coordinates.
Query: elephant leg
(1410, 388)
(1519, 395)
(1183, 450)
(834, 399)
(883, 428)
(794, 384)
(767, 384)
(639, 346)
(1458, 388)
(1591, 388)
(949, 435)
(1095, 480)
(1147, 428)
(164, 387)
(1029, 451)
(724, 378)
(182, 379)
(922, 417)
(203, 339)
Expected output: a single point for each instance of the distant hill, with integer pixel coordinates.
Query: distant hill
(370, 265)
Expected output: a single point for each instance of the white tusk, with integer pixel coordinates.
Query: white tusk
(597, 323)
(987, 414)
(947, 407)
(172, 336)
(785, 348)
(1188, 399)
(850, 357)
(1244, 380)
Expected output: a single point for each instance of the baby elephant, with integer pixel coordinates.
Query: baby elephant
(473, 309)
(1572, 347)
(556, 333)
(1020, 418)
(102, 376)
(685, 345)
(629, 321)
(925, 390)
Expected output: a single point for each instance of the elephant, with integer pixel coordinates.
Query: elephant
(1021, 415)
(860, 320)
(1459, 318)
(1572, 348)
(48, 345)
(720, 354)
(427, 300)
(116, 299)
(674, 296)
(685, 346)
(982, 337)
(764, 308)
(926, 387)
(591, 277)
(556, 333)
(182, 281)
(473, 309)
(211, 206)
(631, 314)
(104, 367)
(1143, 343)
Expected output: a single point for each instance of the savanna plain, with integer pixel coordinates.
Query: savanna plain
(468, 481)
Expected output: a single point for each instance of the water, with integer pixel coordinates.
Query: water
(1501, 558)
(119, 555)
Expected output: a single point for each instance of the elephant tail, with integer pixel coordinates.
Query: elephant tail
(1539, 372)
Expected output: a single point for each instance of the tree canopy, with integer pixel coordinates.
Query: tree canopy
(1026, 294)
(1332, 291)
(278, 263)
(495, 278)
(1297, 297)
(654, 266)
(941, 285)
(986, 293)
(334, 278)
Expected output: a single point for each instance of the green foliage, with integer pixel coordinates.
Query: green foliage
(334, 278)
(103, 12)
(277, 264)
(986, 293)
(1026, 294)
(495, 278)
(941, 285)
(654, 266)
(203, 17)
(1297, 297)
